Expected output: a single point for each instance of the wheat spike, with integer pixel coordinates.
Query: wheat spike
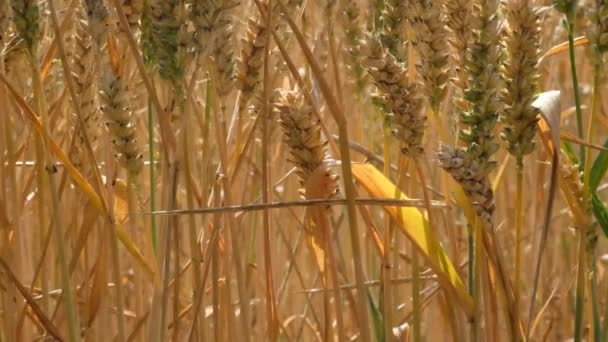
(396, 95)
(308, 150)
(598, 30)
(163, 33)
(302, 132)
(521, 77)
(352, 29)
(250, 63)
(207, 16)
(26, 18)
(114, 97)
(393, 30)
(133, 10)
(98, 16)
(483, 61)
(471, 177)
(84, 71)
(458, 21)
(430, 39)
(223, 53)
(4, 21)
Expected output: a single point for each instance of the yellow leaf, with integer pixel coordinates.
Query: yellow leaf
(413, 224)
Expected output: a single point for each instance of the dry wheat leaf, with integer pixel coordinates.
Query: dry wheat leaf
(76, 176)
(549, 106)
(563, 47)
(572, 138)
(413, 224)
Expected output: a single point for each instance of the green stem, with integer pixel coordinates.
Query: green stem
(591, 127)
(580, 288)
(518, 227)
(153, 229)
(575, 88)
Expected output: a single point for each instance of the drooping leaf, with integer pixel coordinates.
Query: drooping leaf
(412, 223)
(599, 168)
(600, 212)
(563, 47)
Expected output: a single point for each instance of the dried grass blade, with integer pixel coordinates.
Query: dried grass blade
(563, 47)
(44, 320)
(76, 176)
(572, 138)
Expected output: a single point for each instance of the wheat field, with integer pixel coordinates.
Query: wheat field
(303, 170)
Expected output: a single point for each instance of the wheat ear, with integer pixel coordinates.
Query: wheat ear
(521, 75)
(430, 37)
(471, 177)
(396, 95)
(114, 97)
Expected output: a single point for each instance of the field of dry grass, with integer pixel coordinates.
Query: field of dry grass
(303, 170)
